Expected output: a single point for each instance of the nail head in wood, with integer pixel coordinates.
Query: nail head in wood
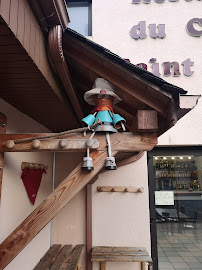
(36, 144)
(10, 144)
(62, 143)
(141, 190)
(89, 143)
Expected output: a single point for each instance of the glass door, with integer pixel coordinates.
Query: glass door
(175, 180)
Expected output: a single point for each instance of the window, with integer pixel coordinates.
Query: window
(175, 183)
(80, 14)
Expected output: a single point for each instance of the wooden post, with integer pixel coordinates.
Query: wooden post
(143, 266)
(3, 122)
(89, 227)
(103, 266)
(48, 209)
(145, 121)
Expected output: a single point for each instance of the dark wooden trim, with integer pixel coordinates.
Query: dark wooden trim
(153, 231)
(89, 226)
(3, 125)
(161, 151)
(130, 159)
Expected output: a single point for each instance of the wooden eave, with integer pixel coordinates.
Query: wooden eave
(76, 63)
(138, 89)
(25, 87)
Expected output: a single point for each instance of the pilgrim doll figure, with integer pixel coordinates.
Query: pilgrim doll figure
(102, 96)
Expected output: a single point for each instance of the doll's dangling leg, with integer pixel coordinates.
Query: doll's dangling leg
(87, 161)
(110, 163)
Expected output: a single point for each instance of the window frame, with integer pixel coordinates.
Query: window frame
(83, 3)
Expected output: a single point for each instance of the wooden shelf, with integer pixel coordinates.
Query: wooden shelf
(177, 169)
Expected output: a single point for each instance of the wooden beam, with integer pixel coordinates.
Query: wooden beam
(145, 121)
(128, 160)
(125, 141)
(48, 209)
(3, 123)
(130, 83)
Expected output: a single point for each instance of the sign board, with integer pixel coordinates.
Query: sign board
(164, 198)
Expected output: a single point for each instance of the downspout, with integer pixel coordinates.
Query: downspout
(60, 65)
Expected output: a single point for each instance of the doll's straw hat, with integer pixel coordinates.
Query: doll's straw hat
(101, 84)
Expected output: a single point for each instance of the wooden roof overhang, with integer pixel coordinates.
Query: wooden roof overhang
(26, 81)
(138, 88)
(75, 63)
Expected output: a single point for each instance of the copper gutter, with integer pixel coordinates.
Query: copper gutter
(53, 18)
(59, 62)
(49, 14)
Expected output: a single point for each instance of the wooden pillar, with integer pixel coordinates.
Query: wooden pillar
(103, 266)
(49, 208)
(3, 122)
(143, 266)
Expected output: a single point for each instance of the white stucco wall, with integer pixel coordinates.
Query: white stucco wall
(122, 219)
(112, 21)
(69, 226)
(15, 205)
(118, 219)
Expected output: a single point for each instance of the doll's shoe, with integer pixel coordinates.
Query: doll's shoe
(87, 164)
(110, 163)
